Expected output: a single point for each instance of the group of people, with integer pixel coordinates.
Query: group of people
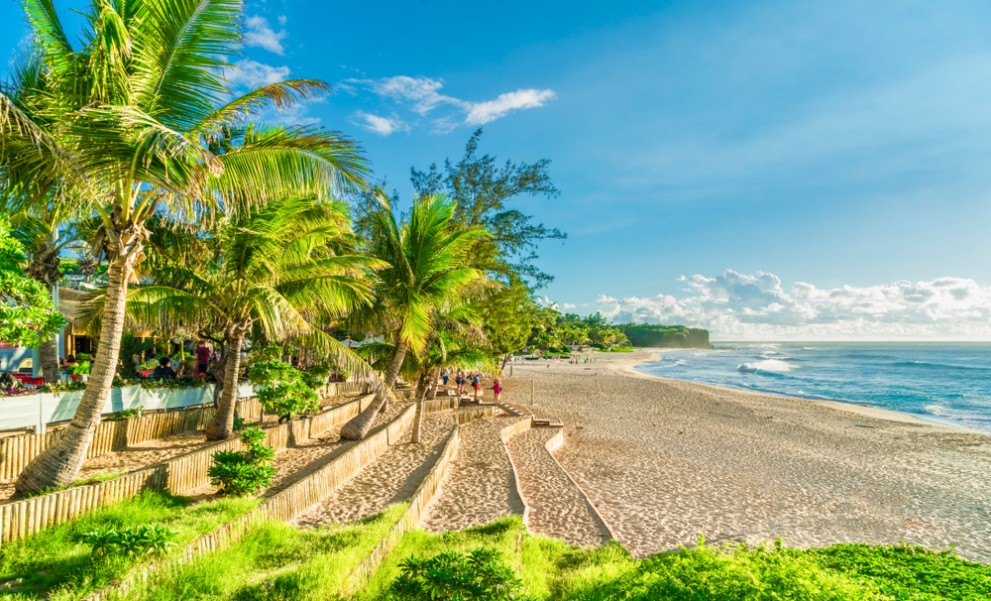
(461, 380)
(164, 370)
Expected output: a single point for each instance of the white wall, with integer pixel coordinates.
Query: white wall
(39, 410)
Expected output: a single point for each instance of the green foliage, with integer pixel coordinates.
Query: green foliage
(277, 561)
(283, 389)
(57, 564)
(239, 473)
(666, 336)
(126, 414)
(27, 314)
(316, 376)
(726, 574)
(481, 189)
(509, 314)
(553, 332)
(479, 575)
(907, 572)
(153, 539)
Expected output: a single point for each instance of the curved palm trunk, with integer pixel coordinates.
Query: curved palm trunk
(421, 395)
(436, 385)
(222, 424)
(60, 463)
(358, 427)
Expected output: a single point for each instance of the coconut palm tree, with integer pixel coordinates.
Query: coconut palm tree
(31, 190)
(272, 270)
(152, 129)
(428, 269)
(446, 348)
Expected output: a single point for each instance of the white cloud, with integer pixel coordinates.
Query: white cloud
(252, 74)
(422, 95)
(757, 307)
(260, 34)
(481, 113)
(383, 126)
(422, 92)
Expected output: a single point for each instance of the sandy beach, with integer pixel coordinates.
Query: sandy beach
(665, 461)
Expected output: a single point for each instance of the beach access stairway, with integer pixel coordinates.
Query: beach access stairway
(556, 506)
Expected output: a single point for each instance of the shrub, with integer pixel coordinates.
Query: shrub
(111, 541)
(243, 472)
(480, 575)
(316, 377)
(283, 389)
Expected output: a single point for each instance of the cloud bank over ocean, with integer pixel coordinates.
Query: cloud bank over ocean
(737, 306)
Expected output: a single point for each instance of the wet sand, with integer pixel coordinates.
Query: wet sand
(666, 461)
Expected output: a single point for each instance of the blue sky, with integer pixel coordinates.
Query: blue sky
(765, 169)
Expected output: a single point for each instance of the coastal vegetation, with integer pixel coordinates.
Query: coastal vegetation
(496, 561)
(648, 335)
(197, 219)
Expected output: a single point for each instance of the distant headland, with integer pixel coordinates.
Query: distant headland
(648, 335)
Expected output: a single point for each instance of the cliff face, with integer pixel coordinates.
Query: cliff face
(666, 336)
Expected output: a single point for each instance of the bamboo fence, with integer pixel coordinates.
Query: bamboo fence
(410, 519)
(23, 518)
(285, 505)
(16, 452)
(293, 501)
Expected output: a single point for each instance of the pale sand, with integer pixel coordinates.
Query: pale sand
(393, 477)
(300, 461)
(665, 461)
(480, 485)
(557, 507)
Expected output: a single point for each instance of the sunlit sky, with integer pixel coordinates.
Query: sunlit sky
(804, 170)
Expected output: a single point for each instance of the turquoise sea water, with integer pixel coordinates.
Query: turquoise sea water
(941, 381)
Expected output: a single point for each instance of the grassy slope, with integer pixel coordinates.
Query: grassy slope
(277, 561)
(56, 563)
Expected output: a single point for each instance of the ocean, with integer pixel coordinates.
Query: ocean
(946, 382)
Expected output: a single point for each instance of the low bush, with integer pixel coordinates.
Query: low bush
(245, 472)
(476, 576)
(155, 539)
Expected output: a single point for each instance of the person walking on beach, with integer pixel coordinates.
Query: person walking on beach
(496, 390)
(444, 375)
(460, 381)
(476, 383)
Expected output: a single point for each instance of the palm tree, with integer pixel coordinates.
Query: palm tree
(428, 269)
(31, 190)
(151, 129)
(446, 348)
(273, 270)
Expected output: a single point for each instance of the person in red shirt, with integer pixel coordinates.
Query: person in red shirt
(496, 389)
(203, 353)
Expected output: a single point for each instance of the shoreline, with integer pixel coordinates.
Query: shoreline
(849, 406)
(664, 461)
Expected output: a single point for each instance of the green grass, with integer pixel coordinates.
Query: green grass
(278, 561)
(554, 571)
(55, 564)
